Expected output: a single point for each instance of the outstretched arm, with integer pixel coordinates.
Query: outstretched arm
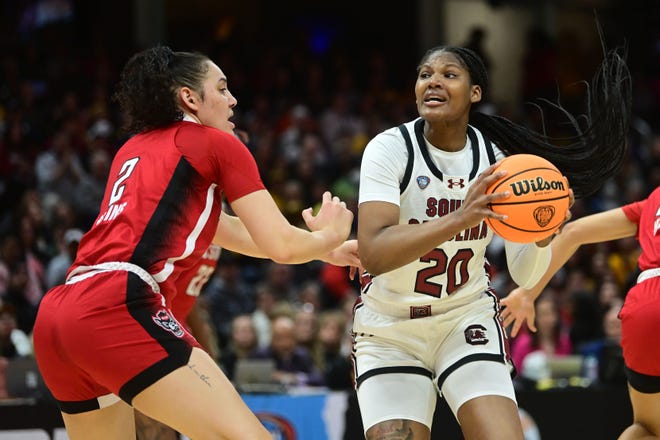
(261, 231)
(596, 228)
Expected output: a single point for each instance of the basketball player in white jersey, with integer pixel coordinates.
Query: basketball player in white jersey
(427, 321)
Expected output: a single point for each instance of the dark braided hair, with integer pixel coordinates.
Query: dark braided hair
(595, 151)
(147, 91)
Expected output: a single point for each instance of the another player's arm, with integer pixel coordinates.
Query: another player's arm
(604, 226)
(262, 230)
(232, 234)
(201, 329)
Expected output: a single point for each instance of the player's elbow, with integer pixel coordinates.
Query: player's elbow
(374, 264)
(280, 251)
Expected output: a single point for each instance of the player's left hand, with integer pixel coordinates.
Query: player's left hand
(346, 255)
(517, 308)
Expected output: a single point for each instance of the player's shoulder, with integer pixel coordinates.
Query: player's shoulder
(186, 130)
(190, 135)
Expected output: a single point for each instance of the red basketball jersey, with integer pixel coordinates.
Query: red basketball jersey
(646, 214)
(190, 283)
(163, 199)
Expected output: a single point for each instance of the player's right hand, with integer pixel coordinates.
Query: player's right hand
(475, 207)
(333, 215)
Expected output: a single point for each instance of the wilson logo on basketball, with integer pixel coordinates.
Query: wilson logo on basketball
(522, 187)
(544, 214)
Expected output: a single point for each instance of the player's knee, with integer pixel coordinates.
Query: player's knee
(409, 429)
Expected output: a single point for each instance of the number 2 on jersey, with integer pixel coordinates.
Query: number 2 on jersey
(124, 173)
(456, 271)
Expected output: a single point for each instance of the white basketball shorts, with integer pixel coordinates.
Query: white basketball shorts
(402, 363)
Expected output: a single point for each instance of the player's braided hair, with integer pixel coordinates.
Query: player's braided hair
(597, 148)
(147, 91)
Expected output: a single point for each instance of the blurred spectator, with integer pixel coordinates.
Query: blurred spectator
(35, 225)
(306, 321)
(309, 296)
(21, 281)
(293, 363)
(88, 194)
(280, 280)
(59, 169)
(586, 318)
(607, 350)
(264, 313)
(477, 42)
(622, 259)
(539, 69)
(14, 342)
(332, 360)
(609, 292)
(242, 344)
(336, 284)
(551, 337)
(227, 295)
(59, 265)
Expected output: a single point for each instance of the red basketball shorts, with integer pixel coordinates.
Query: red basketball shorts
(107, 334)
(640, 315)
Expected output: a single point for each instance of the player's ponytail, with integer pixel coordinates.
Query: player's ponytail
(149, 82)
(594, 149)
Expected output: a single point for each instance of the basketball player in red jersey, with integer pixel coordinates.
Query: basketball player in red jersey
(187, 312)
(640, 313)
(185, 306)
(106, 341)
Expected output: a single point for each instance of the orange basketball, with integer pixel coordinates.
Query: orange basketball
(538, 202)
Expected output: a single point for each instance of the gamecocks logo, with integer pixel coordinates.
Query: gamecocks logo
(476, 335)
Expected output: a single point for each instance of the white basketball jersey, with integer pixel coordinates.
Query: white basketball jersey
(432, 183)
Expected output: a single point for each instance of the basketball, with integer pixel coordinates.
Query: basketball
(538, 202)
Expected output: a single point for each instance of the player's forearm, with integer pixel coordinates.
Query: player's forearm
(284, 243)
(232, 235)
(527, 262)
(604, 226)
(397, 245)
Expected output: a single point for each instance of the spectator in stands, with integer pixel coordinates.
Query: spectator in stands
(59, 169)
(309, 295)
(332, 360)
(280, 280)
(586, 317)
(20, 281)
(293, 363)
(14, 342)
(88, 193)
(242, 344)
(607, 350)
(551, 337)
(227, 295)
(60, 263)
(266, 303)
(306, 319)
